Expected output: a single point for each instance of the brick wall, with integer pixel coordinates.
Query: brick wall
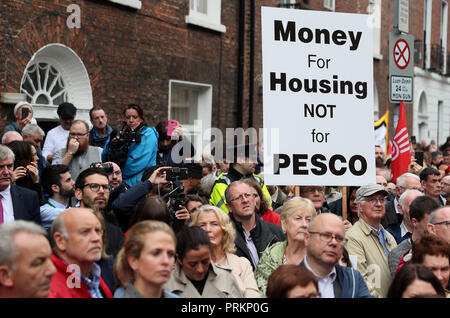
(130, 55)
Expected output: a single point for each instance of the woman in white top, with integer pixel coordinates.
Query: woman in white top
(221, 234)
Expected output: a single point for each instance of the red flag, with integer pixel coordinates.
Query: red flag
(401, 157)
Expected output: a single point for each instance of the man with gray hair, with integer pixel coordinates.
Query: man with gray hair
(78, 154)
(404, 230)
(369, 241)
(418, 214)
(10, 136)
(26, 268)
(439, 223)
(23, 115)
(77, 236)
(35, 135)
(16, 203)
(405, 182)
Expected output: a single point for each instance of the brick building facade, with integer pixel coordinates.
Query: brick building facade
(160, 55)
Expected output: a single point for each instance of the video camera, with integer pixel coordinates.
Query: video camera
(107, 167)
(177, 196)
(119, 146)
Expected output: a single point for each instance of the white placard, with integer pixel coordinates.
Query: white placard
(317, 98)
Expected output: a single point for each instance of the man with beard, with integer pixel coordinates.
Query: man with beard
(92, 190)
(59, 185)
(243, 166)
(77, 154)
(77, 246)
(57, 137)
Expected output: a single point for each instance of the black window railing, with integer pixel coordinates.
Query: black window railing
(437, 54)
(436, 58)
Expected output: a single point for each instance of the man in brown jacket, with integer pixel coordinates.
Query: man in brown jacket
(369, 242)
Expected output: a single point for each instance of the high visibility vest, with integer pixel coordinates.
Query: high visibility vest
(221, 184)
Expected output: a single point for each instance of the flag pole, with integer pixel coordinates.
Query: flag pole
(344, 203)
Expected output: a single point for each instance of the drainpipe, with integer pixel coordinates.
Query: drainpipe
(240, 86)
(252, 62)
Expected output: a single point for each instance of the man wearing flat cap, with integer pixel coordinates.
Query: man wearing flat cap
(369, 242)
(57, 137)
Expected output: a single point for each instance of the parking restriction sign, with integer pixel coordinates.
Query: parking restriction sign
(401, 67)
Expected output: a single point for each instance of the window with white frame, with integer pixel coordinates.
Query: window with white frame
(329, 5)
(374, 9)
(191, 104)
(44, 85)
(444, 22)
(428, 6)
(287, 3)
(206, 13)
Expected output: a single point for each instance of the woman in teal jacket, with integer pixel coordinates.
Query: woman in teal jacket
(141, 154)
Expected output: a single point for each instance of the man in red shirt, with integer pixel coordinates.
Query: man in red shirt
(77, 236)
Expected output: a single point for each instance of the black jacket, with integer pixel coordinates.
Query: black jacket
(263, 235)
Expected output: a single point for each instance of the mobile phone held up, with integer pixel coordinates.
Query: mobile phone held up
(171, 124)
(25, 112)
(419, 157)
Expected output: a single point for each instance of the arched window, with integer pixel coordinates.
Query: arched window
(422, 118)
(376, 106)
(44, 85)
(56, 74)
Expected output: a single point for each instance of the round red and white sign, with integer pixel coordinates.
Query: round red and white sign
(402, 54)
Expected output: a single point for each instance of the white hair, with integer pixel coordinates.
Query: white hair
(401, 181)
(32, 129)
(402, 198)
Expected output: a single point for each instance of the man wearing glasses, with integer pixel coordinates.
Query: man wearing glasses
(317, 195)
(369, 241)
(77, 154)
(323, 252)
(253, 235)
(445, 190)
(92, 190)
(439, 223)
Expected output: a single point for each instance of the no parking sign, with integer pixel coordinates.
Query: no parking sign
(401, 67)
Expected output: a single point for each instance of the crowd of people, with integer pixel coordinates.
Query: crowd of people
(95, 211)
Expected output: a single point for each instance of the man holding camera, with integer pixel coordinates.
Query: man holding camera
(77, 154)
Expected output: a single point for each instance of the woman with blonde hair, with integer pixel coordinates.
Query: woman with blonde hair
(295, 217)
(220, 230)
(145, 262)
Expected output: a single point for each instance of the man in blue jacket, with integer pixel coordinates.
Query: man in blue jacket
(323, 252)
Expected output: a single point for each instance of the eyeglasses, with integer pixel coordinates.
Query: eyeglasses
(95, 187)
(442, 222)
(242, 196)
(375, 200)
(327, 237)
(78, 135)
(313, 190)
